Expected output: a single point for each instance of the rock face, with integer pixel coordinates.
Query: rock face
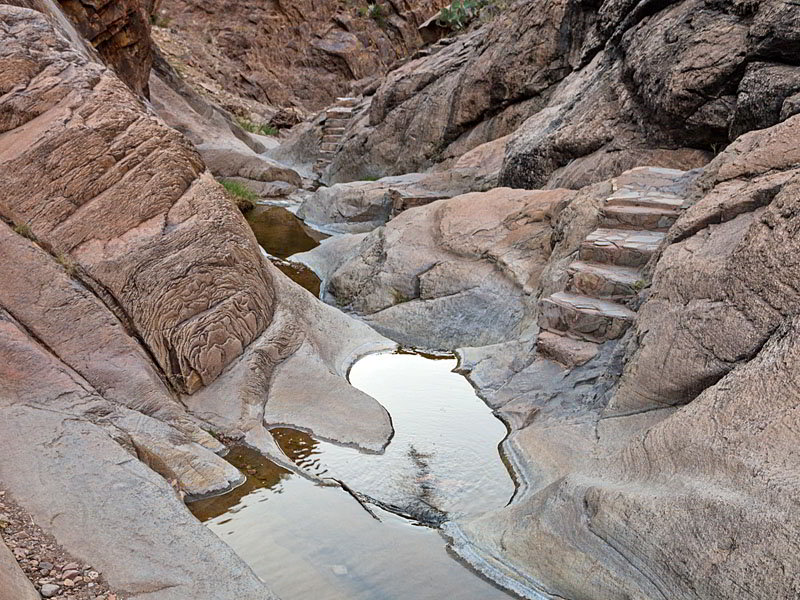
(136, 315)
(13, 582)
(457, 272)
(361, 206)
(600, 88)
(120, 32)
(301, 55)
(677, 482)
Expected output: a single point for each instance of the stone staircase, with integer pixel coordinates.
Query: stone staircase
(608, 270)
(337, 117)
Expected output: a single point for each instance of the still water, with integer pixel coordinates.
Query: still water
(309, 541)
(281, 234)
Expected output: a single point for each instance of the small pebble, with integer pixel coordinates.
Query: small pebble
(49, 590)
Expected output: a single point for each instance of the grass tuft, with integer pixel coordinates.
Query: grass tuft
(262, 129)
(244, 198)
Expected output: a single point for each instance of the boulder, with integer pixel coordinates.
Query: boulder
(457, 272)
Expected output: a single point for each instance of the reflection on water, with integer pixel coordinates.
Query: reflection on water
(281, 234)
(260, 474)
(443, 458)
(314, 542)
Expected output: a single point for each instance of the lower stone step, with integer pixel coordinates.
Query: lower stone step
(623, 247)
(331, 139)
(328, 147)
(584, 318)
(565, 350)
(336, 123)
(333, 130)
(603, 280)
(638, 217)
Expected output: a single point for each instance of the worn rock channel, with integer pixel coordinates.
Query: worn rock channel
(347, 524)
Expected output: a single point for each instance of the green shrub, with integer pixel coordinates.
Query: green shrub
(24, 230)
(461, 12)
(262, 129)
(243, 197)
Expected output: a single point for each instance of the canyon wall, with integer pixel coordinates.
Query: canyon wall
(588, 91)
(302, 54)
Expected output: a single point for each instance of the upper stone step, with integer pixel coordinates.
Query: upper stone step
(584, 318)
(603, 280)
(651, 179)
(623, 247)
(339, 112)
(326, 130)
(638, 217)
(331, 139)
(652, 199)
(347, 101)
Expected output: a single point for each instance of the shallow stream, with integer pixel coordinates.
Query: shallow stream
(311, 541)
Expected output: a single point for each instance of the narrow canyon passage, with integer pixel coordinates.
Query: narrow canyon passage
(312, 541)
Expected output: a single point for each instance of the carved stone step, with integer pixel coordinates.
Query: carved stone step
(623, 247)
(653, 179)
(335, 122)
(328, 147)
(565, 350)
(584, 318)
(326, 130)
(638, 217)
(347, 101)
(331, 139)
(327, 153)
(602, 280)
(653, 199)
(339, 112)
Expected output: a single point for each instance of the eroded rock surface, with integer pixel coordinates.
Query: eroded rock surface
(677, 482)
(302, 55)
(588, 91)
(456, 272)
(137, 315)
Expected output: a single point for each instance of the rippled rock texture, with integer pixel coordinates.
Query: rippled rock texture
(138, 317)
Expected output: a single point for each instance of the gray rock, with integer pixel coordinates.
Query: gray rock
(49, 590)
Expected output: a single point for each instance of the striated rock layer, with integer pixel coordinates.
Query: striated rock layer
(586, 90)
(138, 317)
(300, 54)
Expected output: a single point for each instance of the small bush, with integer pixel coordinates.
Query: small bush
(244, 197)
(376, 13)
(461, 12)
(262, 129)
(159, 20)
(24, 230)
(69, 265)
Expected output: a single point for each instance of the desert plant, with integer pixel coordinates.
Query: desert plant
(69, 265)
(460, 12)
(24, 230)
(376, 13)
(262, 129)
(244, 198)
